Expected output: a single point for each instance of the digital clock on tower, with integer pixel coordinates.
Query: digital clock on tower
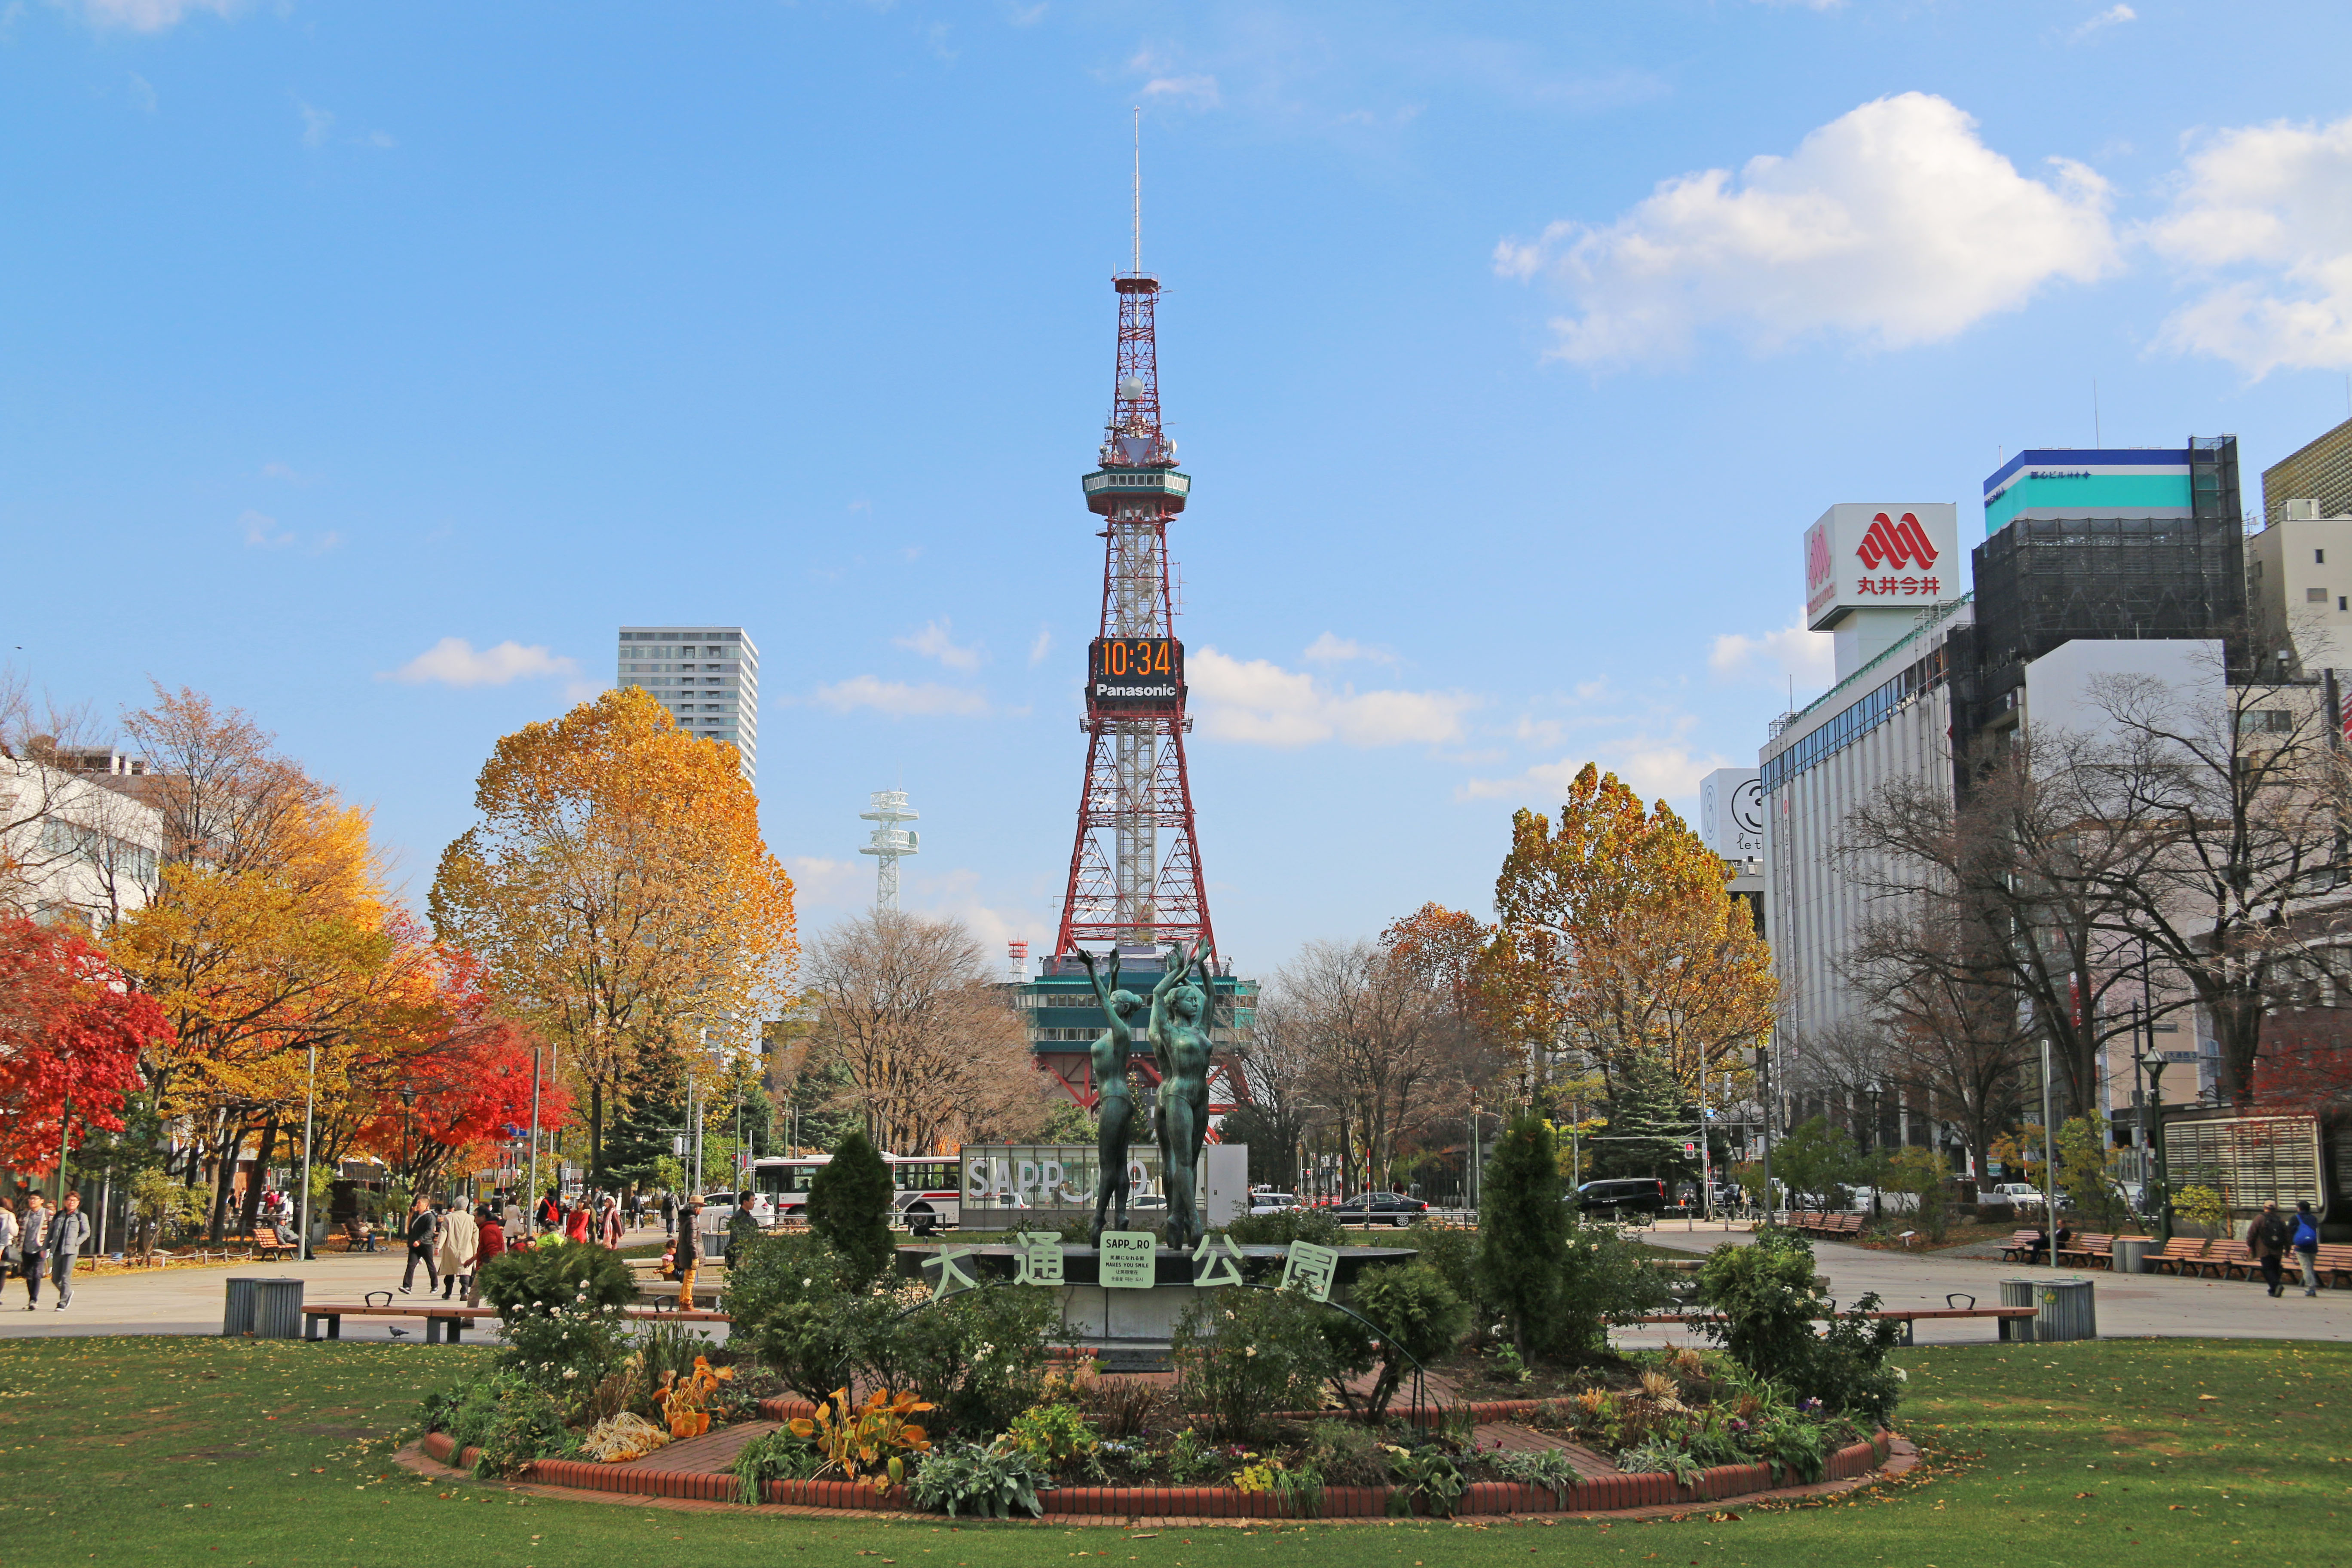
(1135, 672)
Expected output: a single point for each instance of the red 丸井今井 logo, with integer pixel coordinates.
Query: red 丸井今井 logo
(1888, 543)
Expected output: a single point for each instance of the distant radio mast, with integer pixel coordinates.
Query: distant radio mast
(890, 842)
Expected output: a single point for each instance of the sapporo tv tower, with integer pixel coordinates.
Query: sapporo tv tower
(1135, 870)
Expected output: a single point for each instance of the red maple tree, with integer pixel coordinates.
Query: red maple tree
(71, 1033)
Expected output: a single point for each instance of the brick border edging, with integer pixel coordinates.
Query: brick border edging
(1602, 1494)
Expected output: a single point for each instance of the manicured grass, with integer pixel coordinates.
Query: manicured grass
(2167, 1453)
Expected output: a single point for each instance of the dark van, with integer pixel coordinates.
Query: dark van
(1622, 1196)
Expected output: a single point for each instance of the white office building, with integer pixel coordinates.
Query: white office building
(708, 677)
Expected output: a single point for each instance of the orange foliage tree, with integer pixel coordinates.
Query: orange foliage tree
(619, 895)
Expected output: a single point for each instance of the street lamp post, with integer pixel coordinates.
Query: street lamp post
(1764, 1093)
(310, 1106)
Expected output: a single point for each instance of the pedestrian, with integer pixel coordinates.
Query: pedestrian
(686, 1252)
(510, 1216)
(68, 1234)
(33, 1235)
(419, 1237)
(2266, 1238)
(10, 1259)
(2304, 1231)
(576, 1226)
(609, 1229)
(551, 1211)
(456, 1248)
(489, 1242)
(668, 1213)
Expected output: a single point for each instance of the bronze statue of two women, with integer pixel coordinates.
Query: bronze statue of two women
(1178, 1026)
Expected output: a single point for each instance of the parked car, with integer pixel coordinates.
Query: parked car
(1888, 1201)
(1380, 1208)
(2010, 1195)
(1272, 1203)
(1622, 1196)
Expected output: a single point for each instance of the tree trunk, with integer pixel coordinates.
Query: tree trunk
(232, 1136)
(595, 1130)
(260, 1167)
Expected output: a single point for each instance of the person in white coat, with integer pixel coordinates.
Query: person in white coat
(459, 1241)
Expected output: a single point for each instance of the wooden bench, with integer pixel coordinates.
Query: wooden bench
(2002, 1317)
(2333, 1264)
(2194, 1258)
(673, 1315)
(2092, 1251)
(442, 1324)
(267, 1243)
(2021, 1246)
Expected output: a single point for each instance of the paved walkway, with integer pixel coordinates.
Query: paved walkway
(2129, 1305)
(192, 1301)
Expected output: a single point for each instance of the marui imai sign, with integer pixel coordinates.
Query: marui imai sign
(1881, 555)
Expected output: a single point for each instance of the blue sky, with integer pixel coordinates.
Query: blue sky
(1511, 349)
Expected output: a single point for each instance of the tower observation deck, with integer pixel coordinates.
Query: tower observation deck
(1135, 869)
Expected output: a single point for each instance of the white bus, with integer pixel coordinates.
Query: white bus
(927, 1184)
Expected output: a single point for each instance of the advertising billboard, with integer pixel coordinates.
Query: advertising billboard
(1731, 812)
(1877, 555)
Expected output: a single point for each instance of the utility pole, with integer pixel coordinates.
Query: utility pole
(2049, 1161)
(1764, 1092)
(530, 1193)
(310, 1106)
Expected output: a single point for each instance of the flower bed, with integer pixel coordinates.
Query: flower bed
(1597, 1495)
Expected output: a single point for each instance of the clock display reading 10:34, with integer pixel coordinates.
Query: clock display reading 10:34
(1135, 672)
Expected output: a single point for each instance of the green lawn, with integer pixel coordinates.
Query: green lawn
(2171, 1454)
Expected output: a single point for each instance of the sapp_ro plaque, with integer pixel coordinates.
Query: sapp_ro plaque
(1128, 1260)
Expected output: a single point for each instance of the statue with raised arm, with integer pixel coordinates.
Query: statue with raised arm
(1114, 1098)
(1181, 1046)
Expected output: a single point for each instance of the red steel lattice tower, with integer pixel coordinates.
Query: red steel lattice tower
(1135, 870)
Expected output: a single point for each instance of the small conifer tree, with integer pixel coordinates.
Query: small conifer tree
(849, 1205)
(1522, 1230)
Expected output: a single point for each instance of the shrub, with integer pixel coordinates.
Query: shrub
(2205, 1208)
(1420, 1319)
(1429, 1476)
(507, 1417)
(1318, 1225)
(973, 1478)
(1451, 1249)
(782, 1455)
(1922, 1172)
(1522, 1228)
(560, 1303)
(1345, 1453)
(1057, 1435)
(1549, 1468)
(793, 1306)
(1849, 1372)
(1604, 1278)
(981, 1356)
(849, 1205)
(1243, 1354)
(1767, 1296)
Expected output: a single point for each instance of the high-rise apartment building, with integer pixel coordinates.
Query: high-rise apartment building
(708, 677)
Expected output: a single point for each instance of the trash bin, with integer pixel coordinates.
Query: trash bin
(238, 1318)
(277, 1309)
(2131, 1253)
(2064, 1309)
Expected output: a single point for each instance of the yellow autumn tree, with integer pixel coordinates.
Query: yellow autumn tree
(1617, 935)
(266, 931)
(619, 895)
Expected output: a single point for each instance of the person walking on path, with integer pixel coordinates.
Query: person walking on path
(575, 1227)
(684, 1252)
(457, 1246)
(2303, 1231)
(9, 1257)
(34, 1230)
(68, 1234)
(419, 1237)
(2266, 1238)
(489, 1242)
(551, 1211)
(610, 1229)
(669, 1214)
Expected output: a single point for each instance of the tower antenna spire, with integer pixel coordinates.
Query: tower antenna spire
(1138, 190)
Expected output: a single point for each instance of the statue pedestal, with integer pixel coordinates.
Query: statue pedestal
(1130, 1329)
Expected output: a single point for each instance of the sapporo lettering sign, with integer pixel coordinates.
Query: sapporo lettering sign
(1128, 1260)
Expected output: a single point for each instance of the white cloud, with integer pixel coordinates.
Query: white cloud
(1258, 702)
(261, 531)
(901, 700)
(1653, 764)
(1197, 91)
(1894, 224)
(1792, 650)
(317, 125)
(149, 16)
(936, 641)
(1041, 646)
(1330, 649)
(142, 92)
(381, 139)
(454, 661)
(819, 881)
(2263, 215)
(2113, 16)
